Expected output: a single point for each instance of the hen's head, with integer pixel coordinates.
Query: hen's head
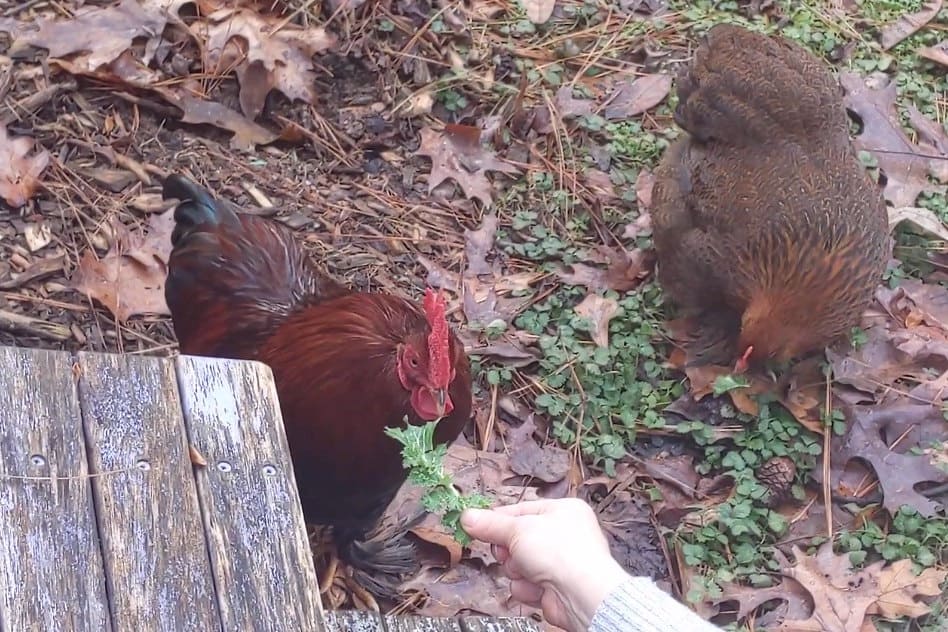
(775, 330)
(424, 363)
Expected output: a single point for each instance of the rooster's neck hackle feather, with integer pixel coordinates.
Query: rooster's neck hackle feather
(439, 357)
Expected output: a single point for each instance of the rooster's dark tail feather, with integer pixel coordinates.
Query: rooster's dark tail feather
(196, 206)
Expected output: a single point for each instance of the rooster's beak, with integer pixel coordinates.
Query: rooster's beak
(440, 397)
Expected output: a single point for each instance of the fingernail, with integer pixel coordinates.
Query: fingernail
(470, 517)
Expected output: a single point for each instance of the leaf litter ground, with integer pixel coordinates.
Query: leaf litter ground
(502, 152)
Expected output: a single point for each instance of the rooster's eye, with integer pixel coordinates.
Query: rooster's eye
(413, 362)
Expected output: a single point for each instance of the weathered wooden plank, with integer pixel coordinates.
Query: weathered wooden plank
(156, 562)
(353, 621)
(50, 566)
(420, 624)
(260, 554)
(485, 624)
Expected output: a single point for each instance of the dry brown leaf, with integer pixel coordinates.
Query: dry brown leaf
(463, 588)
(102, 33)
(19, 168)
(908, 23)
(547, 463)
(626, 270)
(922, 218)
(247, 134)
(937, 53)
(538, 11)
(907, 167)
(843, 597)
(792, 595)
(632, 99)
(264, 58)
(870, 432)
(644, 183)
(130, 278)
(569, 106)
(478, 245)
(599, 311)
(457, 153)
(900, 588)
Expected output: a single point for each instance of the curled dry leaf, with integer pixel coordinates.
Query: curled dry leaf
(843, 596)
(130, 278)
(457, 153)
(641, 95)
(101, 33)
(247, 134)
(547, 463)
(477, 246)
(599, 311)
(921, 218)
(871, 431)
(19, 168)
(908, 24)
(569, 106)
(267, 53)
(626, 270)
(538, 11)
(907, 167)
(644, 183)
(937, 53)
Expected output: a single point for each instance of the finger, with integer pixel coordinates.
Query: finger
(526, 508)
(488, 526)
(526, 592)
(510, 571)
(501, 553)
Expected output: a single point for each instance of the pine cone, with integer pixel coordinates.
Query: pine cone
(778, 475)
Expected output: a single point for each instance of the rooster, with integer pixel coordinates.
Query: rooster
(346, 364)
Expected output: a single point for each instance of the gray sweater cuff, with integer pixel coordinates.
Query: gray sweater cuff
(638, 605)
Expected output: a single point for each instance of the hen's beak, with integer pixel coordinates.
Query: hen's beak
(440, 397)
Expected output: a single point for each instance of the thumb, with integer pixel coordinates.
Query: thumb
(488, 526)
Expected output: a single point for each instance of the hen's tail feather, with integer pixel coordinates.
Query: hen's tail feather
(196, 206)
(744, 88)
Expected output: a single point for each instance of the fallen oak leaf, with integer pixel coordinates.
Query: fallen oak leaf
(19, 168)
(626, 270)
(900, 587)
(538, 11)
(908, 24)
(478, 245)
(457, 153)
(922, 218)
(247, 134)
(267, 53)
(937, 53)
(641, 95)
(870, 431)
(130, 278)
(841, 597)
(905, 165)
(599, 311)
(102, 33)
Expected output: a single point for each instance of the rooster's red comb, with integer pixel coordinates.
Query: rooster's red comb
(439, 361)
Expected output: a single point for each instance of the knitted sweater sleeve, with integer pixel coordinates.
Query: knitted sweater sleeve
(638, 605)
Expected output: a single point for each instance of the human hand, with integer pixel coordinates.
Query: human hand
(554, 553)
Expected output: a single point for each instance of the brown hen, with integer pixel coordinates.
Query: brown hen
(769, 232)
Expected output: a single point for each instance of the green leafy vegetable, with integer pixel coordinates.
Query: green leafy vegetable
(425, 464)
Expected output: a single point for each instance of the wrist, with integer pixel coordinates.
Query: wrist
(585, 590)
